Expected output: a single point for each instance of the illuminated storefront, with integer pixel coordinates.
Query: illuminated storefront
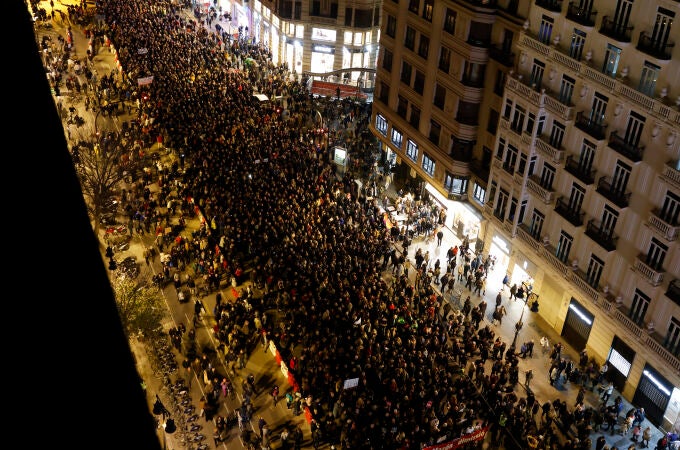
(323, 58)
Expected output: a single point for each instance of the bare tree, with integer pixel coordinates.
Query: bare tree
(100, 173)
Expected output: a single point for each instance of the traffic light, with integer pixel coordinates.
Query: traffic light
(112, 264)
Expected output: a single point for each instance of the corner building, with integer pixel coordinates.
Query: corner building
(558, 125)
(322, 38)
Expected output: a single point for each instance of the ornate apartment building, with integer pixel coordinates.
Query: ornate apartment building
(555, 127)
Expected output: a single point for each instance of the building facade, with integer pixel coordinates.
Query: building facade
(323, 38)
(557, 124)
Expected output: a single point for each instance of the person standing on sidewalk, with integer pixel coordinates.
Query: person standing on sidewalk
(528, 375)
(440, 236)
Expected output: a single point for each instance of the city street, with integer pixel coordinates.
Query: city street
(261, 362)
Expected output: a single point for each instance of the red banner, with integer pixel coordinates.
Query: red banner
(454, 444)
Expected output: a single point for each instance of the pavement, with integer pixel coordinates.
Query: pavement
(263, 364)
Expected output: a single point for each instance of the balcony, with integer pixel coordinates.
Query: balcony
(550, 5)
(580, 15)
(671, 173)
(654, 47)
(595, 128)
(546, 195)
(501, 55)
(615, 30)
(653, 275)
(604, 238)
(532, 241)
(673, 291)
(474, 82)
(585, 174)
(579, 278)
(548, 151)
(630, 151)
(574, 216)
(658, 223)
(605, 188)
(557, 264)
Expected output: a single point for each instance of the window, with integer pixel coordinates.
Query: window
(381, 124)
(537, 70)
(499, 85)
(428, 165)
(611, 60)
(492, 192)
(501, 148)
(410, 38)
(672, 340)
(636, 122)
(530, 123)
(419, 82)
(406, 70)
(597, 114)
(414, 6)
(473, 74)
(621, 177)
(576, 197)
(638, 308)
(670, 209)
(564, 246)
(508, 109)
(557, 135)
(424, 46)
(501, 204)
(450, 21)
(662, 30)
(648, 77)
(594, 272)
(402, 107)
(387, 60)
(609, 219)
(454, 184)
(510, 159)
(440, 96)
(396, 137)
(586, 157)
(428, 9)
(414, 119)
(513, 209)
(547, 176)
(522, 163)
(384, 92)
(435, 132)
(536, 227)
(492, 124)
(412, 150)
(656, 255)
(578, 39)
(541, 125)
(478, 193)
(545, 29)
(518, 120)
(391, 28)
(444, 59)
(566, 89)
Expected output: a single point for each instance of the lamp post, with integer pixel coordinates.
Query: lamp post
(519, 324)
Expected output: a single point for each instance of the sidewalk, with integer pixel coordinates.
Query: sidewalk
(534, 328)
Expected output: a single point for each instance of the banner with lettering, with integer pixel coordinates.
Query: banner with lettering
(475, 436)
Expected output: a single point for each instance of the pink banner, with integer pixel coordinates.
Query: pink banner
(454, 444)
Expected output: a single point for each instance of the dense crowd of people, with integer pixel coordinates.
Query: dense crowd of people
(317, 245)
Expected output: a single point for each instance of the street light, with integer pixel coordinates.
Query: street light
(519, 324)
